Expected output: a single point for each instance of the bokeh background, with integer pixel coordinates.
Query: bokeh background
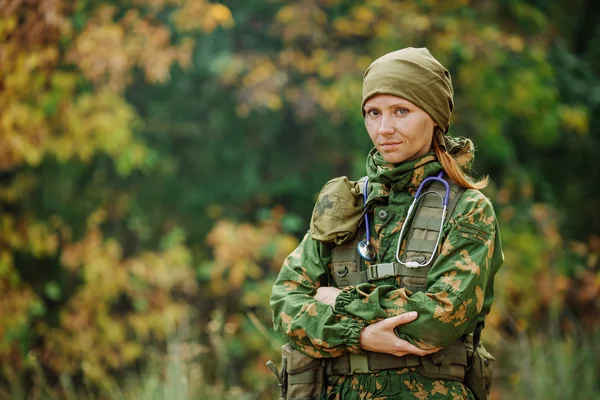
(160, 158)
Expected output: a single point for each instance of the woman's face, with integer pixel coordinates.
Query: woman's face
(400, 130)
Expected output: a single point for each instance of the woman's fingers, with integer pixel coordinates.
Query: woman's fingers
(380, 337)
(406, 347)
(392, 322)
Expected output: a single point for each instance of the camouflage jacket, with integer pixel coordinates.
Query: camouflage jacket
(459, 288)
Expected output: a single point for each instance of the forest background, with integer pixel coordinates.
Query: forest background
(160, 158)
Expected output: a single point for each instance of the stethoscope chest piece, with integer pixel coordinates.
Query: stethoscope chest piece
(366, 250)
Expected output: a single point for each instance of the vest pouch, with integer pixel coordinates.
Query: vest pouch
(345, 267)
(346, 274)
(480, 373)
(448, 363)
(305, 375)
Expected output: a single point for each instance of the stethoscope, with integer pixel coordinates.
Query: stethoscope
(365, 248)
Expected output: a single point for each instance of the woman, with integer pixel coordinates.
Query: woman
(388, 332)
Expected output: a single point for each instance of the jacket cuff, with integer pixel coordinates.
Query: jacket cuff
(355, 327)
(343, 300)
(360, 301)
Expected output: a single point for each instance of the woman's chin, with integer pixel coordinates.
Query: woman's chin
(393, 158)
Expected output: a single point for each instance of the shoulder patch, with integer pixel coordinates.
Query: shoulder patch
(337, 211)
(475, 217)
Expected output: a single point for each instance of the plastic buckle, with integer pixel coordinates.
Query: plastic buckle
(359, 364)
(380, 271)
(371, 275)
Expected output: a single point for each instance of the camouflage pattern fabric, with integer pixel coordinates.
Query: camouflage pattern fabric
(394, 384)
(459, 287)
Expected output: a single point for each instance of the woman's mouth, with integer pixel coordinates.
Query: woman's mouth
(389, 146)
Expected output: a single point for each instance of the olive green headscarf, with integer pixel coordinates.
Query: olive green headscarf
(414, 75)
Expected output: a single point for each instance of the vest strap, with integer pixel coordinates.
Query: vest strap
(431, 224)
(421, 245)
(385, 270)
(310, 376)
(449, 363)
(346, 265)
(424, 230)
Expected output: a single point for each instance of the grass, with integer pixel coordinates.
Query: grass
(538, 367)
(548, 367)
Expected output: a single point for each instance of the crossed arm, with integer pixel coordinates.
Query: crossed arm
(379, 337)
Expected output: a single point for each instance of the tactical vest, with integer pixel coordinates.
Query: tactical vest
(348, 269)
(466, 360)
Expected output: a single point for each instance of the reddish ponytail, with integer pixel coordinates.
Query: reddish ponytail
(454, 170)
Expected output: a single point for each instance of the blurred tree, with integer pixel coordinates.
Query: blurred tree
(75, 296)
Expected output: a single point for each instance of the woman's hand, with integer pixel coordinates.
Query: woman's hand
(381, 338)
(327, 295)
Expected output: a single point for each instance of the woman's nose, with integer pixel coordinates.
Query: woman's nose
(386, 126)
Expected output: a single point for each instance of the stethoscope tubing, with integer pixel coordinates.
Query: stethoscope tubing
(364, 247)
(365, 197)
(434, 178)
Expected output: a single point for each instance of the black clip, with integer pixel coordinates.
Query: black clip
(281, 378)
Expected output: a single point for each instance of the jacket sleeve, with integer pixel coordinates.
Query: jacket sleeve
(310, 326)
(456, 283)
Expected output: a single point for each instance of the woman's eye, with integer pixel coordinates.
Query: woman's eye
(373, 113)
(401, 111)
